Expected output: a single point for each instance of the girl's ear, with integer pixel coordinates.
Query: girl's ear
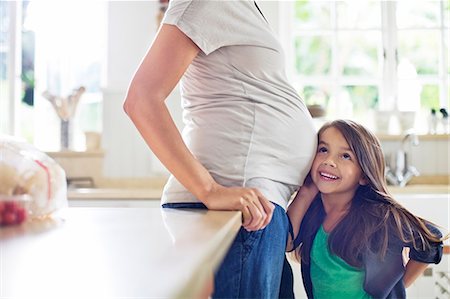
(363, 180)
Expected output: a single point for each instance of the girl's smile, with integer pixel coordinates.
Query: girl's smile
(327, 176)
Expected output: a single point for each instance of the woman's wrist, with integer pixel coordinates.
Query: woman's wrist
(205, 190)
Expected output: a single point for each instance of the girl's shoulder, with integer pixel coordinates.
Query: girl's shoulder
(314, 216)
(316, 209)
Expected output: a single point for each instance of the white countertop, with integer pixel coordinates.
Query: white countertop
(420, 189)
(115, 252)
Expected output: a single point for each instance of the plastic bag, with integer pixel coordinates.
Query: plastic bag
(32, 185)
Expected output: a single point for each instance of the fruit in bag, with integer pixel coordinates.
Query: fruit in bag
(32, 185)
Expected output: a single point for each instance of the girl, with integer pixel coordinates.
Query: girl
(351, 235)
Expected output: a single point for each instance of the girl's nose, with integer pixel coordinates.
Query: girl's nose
(329, 162)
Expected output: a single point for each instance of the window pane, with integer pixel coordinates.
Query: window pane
(408, 90)
(26, 121)
(447, 92)
(359, 14)
(90, 113)
(447, 14)
(358, 53)
(313, 55)
(4, 88)
(429, 97)
(421, 49)
(4, 98)
(313, 14)
(4, 23)
(446, 50)
(418, 14)
(353, 101)
(363, 98)
(316, 95)
(25, 107)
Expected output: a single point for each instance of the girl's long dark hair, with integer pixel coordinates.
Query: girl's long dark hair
(374, 214)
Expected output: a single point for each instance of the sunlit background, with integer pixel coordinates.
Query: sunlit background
(353, 58)
(61, 46)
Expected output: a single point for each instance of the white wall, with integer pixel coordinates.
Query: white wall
(131, 29)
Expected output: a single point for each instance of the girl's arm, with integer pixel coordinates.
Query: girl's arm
(297, 209)
(163, 66)
(418, 260)
(413, 270)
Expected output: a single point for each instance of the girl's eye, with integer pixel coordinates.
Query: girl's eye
(347, 156)
(322, 149)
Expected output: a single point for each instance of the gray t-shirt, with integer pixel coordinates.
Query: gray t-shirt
(243, 120)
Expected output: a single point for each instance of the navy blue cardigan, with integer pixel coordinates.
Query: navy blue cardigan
(383, 277)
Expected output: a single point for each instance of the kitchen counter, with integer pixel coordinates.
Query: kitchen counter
(115, 253)
(421, 189)
(155, 193)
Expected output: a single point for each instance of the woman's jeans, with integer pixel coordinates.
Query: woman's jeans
(253, 265)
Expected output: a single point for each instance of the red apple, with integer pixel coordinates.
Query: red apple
(9, 218)
(12, 213)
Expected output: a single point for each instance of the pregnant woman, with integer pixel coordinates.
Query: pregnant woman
(248, 139)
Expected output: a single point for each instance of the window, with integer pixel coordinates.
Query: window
(354, 57)
(54, 46)
(7, 65)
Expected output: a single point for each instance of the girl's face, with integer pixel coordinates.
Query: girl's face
(335, 169)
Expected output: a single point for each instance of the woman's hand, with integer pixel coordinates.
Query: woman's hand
(256, 210)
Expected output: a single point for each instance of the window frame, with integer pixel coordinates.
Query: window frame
(14, 62)
(388, 83)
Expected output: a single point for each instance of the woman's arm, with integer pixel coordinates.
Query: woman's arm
(413, 270)
(297, 209)
(163, 66)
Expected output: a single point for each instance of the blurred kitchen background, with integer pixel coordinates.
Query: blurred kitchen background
(65, 67)
(383, 63)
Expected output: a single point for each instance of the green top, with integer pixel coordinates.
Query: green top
(331, 276)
